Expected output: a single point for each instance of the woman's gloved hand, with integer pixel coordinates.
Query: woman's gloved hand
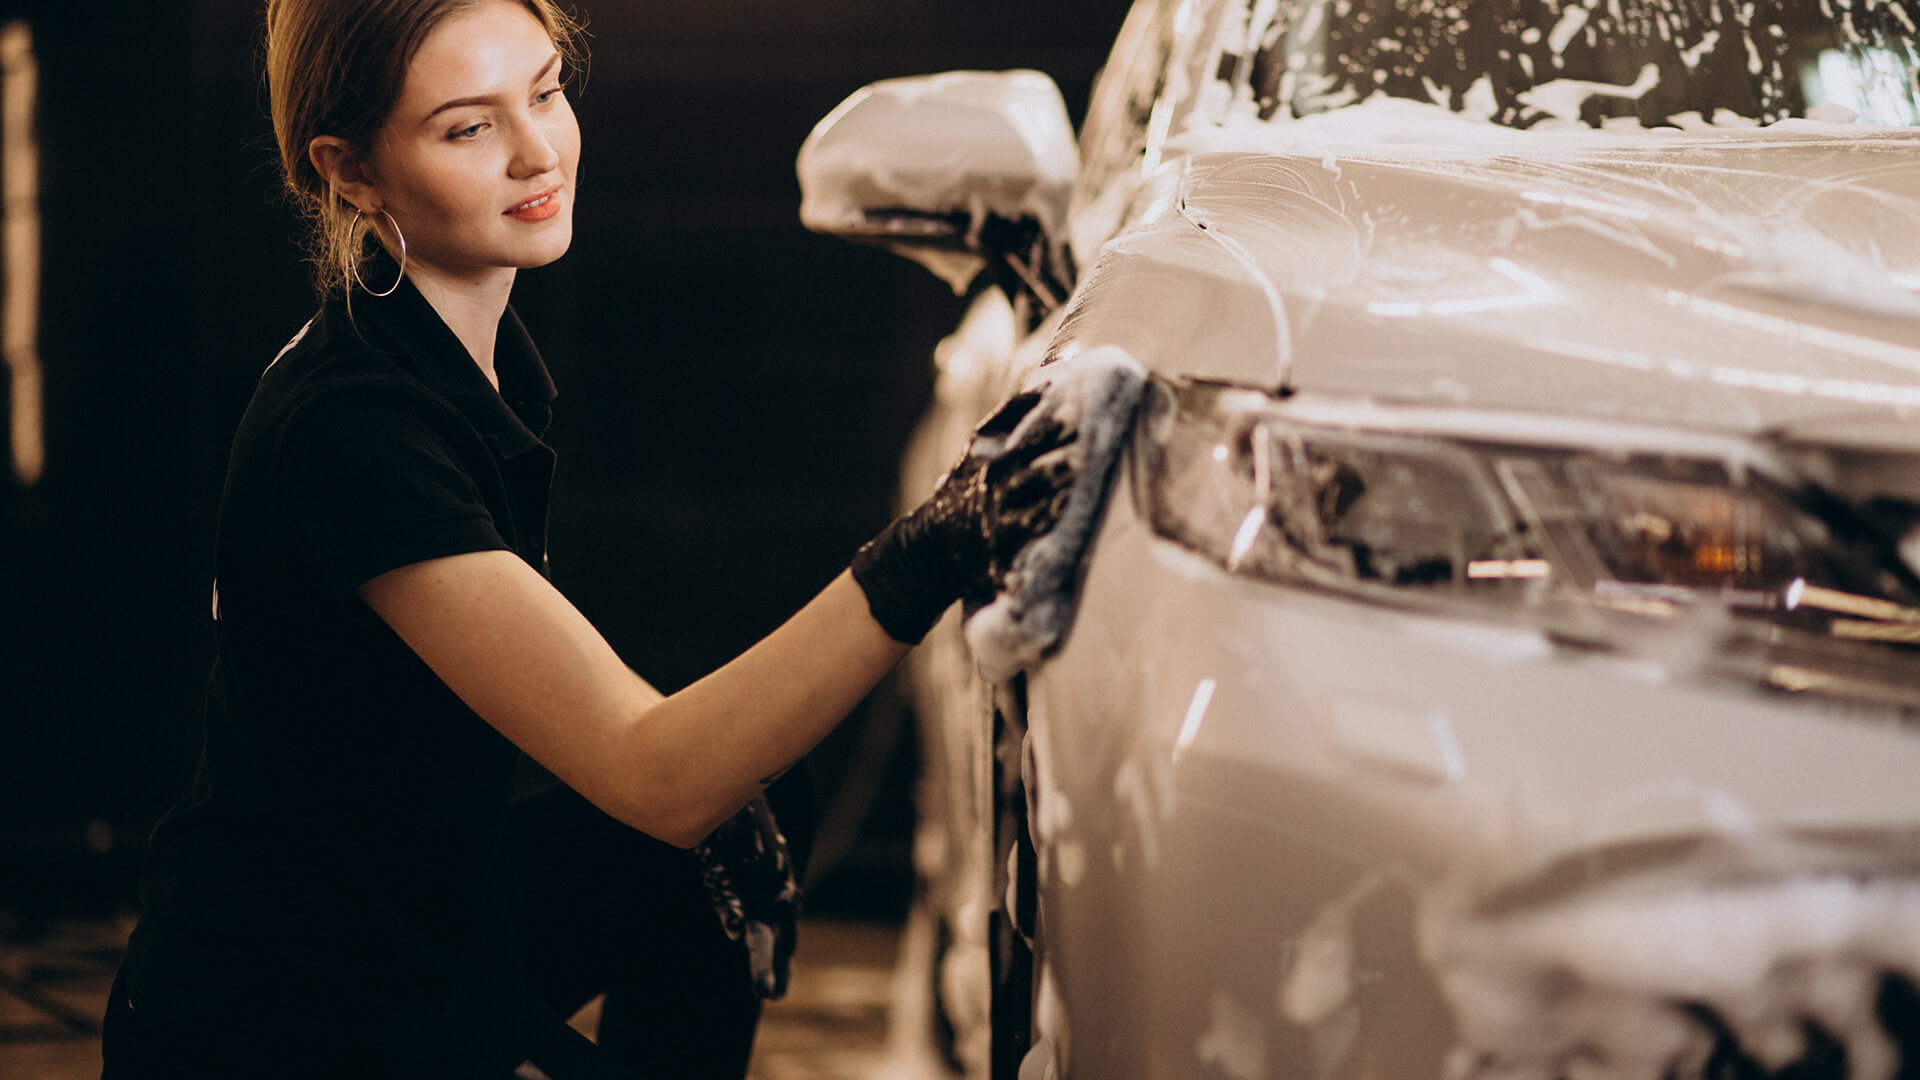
(750, 879)
(1010, 489)
(1000, 495)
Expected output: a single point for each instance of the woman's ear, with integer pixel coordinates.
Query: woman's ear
(344, 170)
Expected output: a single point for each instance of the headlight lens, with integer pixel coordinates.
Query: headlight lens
(1589, 545)
(1350, 509)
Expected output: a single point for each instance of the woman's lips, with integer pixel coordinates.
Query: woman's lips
(539, 208)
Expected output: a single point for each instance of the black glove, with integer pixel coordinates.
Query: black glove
(1008, 489)
(749, 878)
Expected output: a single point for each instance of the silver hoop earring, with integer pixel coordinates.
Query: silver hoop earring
(354, 263)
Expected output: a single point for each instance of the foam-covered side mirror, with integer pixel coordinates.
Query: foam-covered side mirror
(958, 171)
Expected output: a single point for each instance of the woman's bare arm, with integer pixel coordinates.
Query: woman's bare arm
(524, 658)
(531, 665)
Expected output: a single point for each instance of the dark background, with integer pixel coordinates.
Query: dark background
(734, 390)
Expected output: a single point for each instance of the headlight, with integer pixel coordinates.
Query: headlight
(1591, 545)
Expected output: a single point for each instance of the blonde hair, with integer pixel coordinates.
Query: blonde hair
(336, 67)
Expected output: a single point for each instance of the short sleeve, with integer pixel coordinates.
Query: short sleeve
(371, 484)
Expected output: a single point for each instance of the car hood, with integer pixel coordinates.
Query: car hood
(1758, 281)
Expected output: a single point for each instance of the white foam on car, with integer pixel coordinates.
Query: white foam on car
(1619, 983)
(1002, 146)
(1331, 236)
(1389, 128)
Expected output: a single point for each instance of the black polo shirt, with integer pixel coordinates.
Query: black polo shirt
(331, 863)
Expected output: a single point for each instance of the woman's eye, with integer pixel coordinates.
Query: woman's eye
(467, 132)
(547, 95)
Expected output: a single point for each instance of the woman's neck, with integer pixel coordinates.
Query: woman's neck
(470, 306)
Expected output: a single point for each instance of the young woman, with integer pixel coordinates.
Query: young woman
(350, 890)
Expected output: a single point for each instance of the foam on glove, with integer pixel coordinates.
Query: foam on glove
(1093, 395)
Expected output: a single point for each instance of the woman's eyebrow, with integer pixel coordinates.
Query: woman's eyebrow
(488, 99)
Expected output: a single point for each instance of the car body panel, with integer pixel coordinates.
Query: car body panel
(1236, 818)
(1213, 818)
(1396, 276)
(1285, 830)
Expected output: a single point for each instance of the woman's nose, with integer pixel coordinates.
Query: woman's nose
(534, 152)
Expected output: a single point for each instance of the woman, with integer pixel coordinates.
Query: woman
(347, 891)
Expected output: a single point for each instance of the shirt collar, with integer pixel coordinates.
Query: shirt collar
(512, 419)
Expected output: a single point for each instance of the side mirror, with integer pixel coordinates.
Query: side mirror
(963, 172)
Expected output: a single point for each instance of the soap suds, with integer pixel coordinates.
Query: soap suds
(1235, 1043)
(1663, 979)
(1094, 393)
(941, 155)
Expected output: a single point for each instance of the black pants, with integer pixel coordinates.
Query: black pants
(603, 910)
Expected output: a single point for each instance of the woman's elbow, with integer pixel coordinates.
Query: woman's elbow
(669, 817)
(667, 796)
(679, 834)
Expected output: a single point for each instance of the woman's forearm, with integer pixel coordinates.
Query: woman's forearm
(522, 657)
(707, 750)
(525, 660)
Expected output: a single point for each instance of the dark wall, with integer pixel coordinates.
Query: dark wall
(734, 390)
(103, 593)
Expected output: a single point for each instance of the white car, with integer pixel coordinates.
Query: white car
(1499, 656)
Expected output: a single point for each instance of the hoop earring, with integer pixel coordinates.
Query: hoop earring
(354, 263)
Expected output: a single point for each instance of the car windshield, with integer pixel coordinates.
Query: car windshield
(1522, 62)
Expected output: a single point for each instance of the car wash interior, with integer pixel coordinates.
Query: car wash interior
(734, 395)
(1446, 480)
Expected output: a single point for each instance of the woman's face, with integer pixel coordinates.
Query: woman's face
(476, 161)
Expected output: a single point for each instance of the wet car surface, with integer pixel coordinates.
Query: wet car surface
(1500, 652)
